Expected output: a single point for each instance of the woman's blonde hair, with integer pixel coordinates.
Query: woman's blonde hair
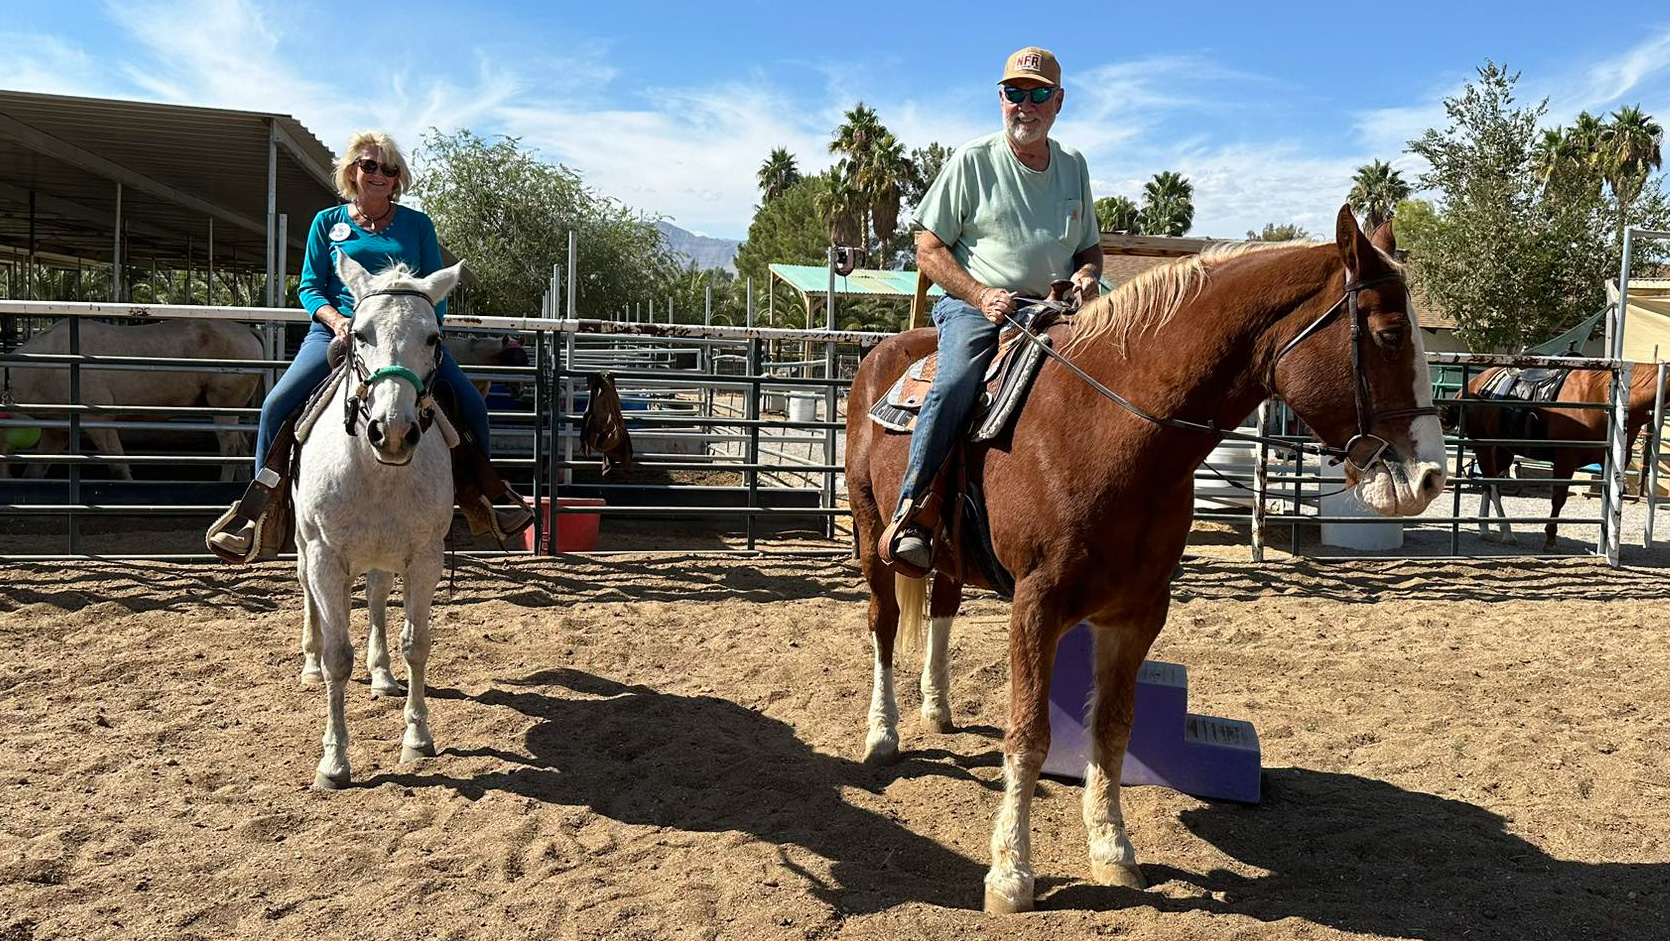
(387, 152)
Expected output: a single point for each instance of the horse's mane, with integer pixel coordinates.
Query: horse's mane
(391, 276)
(1149, 300)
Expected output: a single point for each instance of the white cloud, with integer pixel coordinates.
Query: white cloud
(46, 64)
(1605, 83)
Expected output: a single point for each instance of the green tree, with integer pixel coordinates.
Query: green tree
(925, 164)
(507, 214)
(885, 177)
(1118, 214)
(1375, 192)
(1628, 152)
(1168, 204)
(777, 174)
(787, 230)
(1286, 232)
(1513, 254)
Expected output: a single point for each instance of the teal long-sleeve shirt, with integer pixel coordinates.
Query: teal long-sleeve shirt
(409, 238)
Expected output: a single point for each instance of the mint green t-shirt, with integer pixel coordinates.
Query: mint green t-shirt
(1007, 225)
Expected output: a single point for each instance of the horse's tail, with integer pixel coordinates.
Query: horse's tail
(912, 597)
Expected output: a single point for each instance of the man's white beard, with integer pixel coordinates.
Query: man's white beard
(1025, 134)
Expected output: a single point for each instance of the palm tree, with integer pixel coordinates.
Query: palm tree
(886, 176)
(777, 174)
(1168, 204)
(1630, 149)
(856, 138)
(1118, 214)
(1376, 191)
(840, 204)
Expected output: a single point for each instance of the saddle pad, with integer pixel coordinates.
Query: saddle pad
(1526, 385)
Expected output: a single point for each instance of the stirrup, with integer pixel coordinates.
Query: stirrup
(902, 526)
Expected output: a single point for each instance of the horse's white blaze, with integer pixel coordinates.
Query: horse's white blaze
(1420, 477)
(882, 741)
(936, 673)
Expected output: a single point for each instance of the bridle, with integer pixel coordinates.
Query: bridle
(1366, 415)
(356, 408)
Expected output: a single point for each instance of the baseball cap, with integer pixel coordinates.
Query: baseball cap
(1034, 63)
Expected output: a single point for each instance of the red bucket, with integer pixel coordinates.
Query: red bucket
(576, 532)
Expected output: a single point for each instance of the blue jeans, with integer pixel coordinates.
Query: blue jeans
(312, 365)
(967, 343)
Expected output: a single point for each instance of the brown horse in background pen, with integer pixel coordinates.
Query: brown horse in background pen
(1559, 424)
(1090, 504)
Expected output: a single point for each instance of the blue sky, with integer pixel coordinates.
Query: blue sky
(670, 107)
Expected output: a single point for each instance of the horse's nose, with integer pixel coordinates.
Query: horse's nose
(1432, 483)
(412, 435)
(374, 431)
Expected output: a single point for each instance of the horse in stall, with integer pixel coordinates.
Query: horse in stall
(474, 350)
(1556, 424)
(1090, 504)
(113, 388)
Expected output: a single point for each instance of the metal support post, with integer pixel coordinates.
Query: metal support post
(1618, 455)
(541, 360)
(1654, 442)
(272, 210)
(1261, 482)
(73, 521)
(573, 271)
(753, 414)
(116, 252)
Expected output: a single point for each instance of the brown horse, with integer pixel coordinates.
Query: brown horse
(1090, 504)
(1560, 424)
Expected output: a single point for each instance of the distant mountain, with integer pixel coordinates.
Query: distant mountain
(703, 251)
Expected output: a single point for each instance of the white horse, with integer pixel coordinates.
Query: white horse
(112, 388)
(376, 498)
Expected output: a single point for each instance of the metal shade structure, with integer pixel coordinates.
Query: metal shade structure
(96, 181)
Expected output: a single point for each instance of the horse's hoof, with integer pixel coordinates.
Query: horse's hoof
(881, 749)
(387, 690)
(415, 752)
(312, 678)
(1011, 902)
(938, 720)
(1120, 874)
(324, 782)
(1488, 536)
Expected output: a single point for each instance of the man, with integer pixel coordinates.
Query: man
(1008, 215)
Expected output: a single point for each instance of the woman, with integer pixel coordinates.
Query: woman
(372, 228)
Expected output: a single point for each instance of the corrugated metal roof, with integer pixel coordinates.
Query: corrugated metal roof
(863, 282)
(201, 162)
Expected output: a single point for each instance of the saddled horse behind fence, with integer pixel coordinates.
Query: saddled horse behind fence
(1517, 419)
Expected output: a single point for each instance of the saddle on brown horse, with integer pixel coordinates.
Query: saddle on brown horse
(1526, 388)
(965, 529)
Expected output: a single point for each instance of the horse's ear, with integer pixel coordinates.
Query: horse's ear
(437, 285)
(1353, 248)
(1384, 239)
(353, 274)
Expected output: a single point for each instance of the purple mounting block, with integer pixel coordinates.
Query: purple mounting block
(1199, 755)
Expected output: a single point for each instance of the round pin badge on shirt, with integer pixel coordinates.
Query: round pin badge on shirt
(339, 232)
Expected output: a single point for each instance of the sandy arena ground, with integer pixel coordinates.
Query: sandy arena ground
(666, 748)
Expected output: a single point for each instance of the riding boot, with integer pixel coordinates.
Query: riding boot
(478, 487)
(907, 544)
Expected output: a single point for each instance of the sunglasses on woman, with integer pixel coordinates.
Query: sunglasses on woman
(1018, 95)
(371, 166)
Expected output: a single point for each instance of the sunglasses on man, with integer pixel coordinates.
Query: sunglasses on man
(371, 166)
(1018, 95)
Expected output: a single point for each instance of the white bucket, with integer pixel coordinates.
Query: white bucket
(1364, 536)
(803, 406)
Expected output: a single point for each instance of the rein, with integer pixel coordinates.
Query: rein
(1366, 416)
(355, 407)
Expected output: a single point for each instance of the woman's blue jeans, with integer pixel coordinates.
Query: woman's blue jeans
(967, 343)
(312, 365)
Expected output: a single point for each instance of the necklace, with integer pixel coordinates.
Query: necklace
(367, 221)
